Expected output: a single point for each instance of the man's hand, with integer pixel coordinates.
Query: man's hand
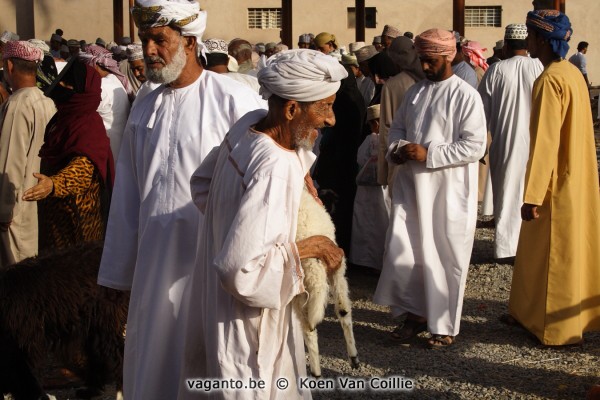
(41, 190)
(324, 249)
(414, 151)
(529, 212)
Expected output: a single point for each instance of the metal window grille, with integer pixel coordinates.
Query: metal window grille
(264, 18)
(370, 17)
(490, 16)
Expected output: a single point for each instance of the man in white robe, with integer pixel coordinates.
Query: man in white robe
(436, 138)
(153, 226)
(506, 93)
(241, 321)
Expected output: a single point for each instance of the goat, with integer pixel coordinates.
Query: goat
(313, 219)
(53, 303)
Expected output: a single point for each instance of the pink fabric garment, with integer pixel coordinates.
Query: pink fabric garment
(474, 51)
(23, 50)
(98, 55)
(436, 42)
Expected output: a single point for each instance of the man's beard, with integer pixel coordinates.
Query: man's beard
(305, 142)
(170, 72)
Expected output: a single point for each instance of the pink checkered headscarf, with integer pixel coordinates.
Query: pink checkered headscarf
(436, 42)
(474, 51)
(23, 50)
(97, 55)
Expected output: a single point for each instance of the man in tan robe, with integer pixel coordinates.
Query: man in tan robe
(23, 120)
(556, 281)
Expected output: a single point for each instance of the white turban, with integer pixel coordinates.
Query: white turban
(302, 75)
(40, 44)
(184, 14)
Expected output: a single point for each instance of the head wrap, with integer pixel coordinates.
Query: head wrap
(260, 47)
(515, 32)
(279, 47)
(64, 48)
(301, 74)
(373, 112)
(125, 40)
(216, 45)
(304, 38)
(554, 26)
(391, 31)
(8, 36)
(73, 43)
(184, 14)
(499, 45)
(56, 38)
(134, 52)
(364, 53)
(474, 51)
(324, 37)
(270, 46)
(403, 54)
(100, 42)
(377, 40)
(111, 45)
(40, 44)
(22, 50)
(348, 59)
(96, 55)
(436, 42)
(355, 46)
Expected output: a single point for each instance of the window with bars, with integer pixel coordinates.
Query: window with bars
(370, 17)
(264, 18)
(483, 16)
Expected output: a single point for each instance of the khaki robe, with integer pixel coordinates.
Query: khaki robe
(23, 120)
(556, 281)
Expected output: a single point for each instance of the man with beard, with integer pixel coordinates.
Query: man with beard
(153, 226)
(437, 136)
(241, 321)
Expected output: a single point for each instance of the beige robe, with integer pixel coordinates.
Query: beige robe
(556, 281)
(23, 120)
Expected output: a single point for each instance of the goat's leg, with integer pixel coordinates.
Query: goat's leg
(343, 310)
(311, 341)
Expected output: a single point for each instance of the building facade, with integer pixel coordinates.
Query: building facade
(260, 20)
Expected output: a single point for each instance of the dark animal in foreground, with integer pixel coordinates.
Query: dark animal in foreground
(52, 304)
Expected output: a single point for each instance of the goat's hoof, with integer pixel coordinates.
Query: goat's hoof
(355, 362)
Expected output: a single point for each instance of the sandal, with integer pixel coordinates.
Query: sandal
(409, 329)
(440, 341)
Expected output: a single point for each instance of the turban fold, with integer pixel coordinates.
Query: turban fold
(373, 112)
(97, 55)
(365, 53)
(73, 43)
(391, 31)
(304, 38)
(515, 32)
(474, 51)
(7, 36)
(302, 74)
(554, 26)
(40, 44)
(355, 46)
(436, 42)
(22, 50)
(348, 59)
(101, 42)
(499, 45)
(184, 14)
(324, 37)
(134, 52)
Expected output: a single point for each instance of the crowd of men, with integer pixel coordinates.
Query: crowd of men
(215, 141)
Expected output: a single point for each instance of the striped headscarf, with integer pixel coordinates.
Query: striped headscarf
(97, 55)
(553, 26)
(474, 51)
(436, 42)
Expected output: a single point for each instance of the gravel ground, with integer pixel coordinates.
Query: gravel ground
(489, 360)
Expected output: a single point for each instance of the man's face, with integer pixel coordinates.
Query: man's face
(138, 69)
(584, 50)
(386, 41)
(326, 48)
(355, 71)
(434, 67)
(532, 43)
(164, 53)
(315, 115)
(304, 45)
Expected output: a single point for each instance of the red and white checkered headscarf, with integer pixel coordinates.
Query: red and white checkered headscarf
(98, 55)
(474, 51)
(23, 50)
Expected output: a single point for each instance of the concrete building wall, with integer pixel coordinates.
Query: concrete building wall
(227, 19)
